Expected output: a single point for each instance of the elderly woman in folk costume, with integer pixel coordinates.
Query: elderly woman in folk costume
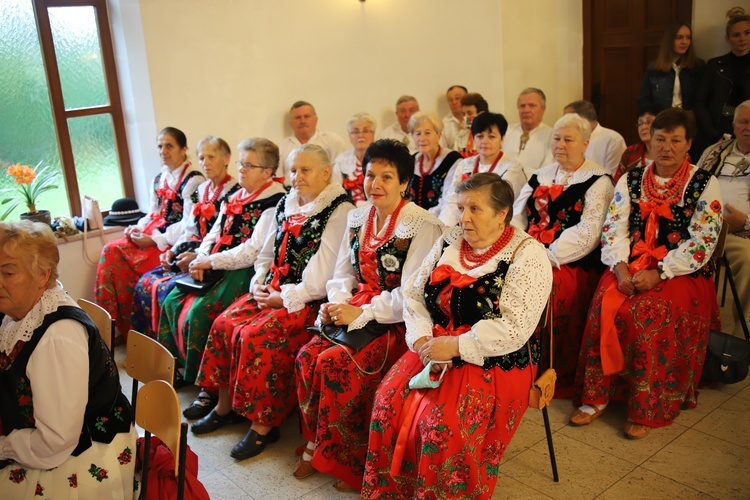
(470, 313)
(152, 288)
(563, 206)
(249, 355)
(385, 245)
(361, 128)
(647, 329)
(125, 260)
(233, 246)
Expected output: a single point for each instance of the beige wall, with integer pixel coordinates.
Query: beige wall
(232, 68)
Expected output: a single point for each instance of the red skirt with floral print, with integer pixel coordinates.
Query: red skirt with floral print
(572, 290)
(335, 398)
(120, 267)
(663, 334)
(458, 435)
(251, 352)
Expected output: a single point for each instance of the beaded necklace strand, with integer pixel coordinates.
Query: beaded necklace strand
(373, 241)
(471, 259)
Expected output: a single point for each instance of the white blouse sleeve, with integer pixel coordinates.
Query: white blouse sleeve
(321, 266)
(524, 295)
(244, 255)
(387, 308)
(340, 288)
(266, 255)
(520, 219)
(616, 230)
(448, 208)
(153, 207)
(417, 318)
(516, 178)
(579, 240)
(705, 224)
(58, 371)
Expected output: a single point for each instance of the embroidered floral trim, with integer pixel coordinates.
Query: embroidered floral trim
(13, 331)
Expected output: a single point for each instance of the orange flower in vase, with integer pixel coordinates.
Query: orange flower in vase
(30, 184)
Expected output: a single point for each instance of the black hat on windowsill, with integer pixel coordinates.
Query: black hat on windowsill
(124, 212)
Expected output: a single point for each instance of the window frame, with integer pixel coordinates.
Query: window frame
(60, 115)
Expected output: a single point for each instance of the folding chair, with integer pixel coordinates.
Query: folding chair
(159, 414)
(101, 319)
(147, 360)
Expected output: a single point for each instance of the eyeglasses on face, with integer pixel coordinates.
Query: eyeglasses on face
(248, 165)
(366, 131)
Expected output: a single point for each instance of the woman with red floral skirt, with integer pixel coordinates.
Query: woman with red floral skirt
(125, 260)
(470, 313)
(385, 245)
(647, 330)
(249, 355)
(563, 206)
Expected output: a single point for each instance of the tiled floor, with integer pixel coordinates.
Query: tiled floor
(705, 453)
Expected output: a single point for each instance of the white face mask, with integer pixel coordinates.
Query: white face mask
(422, 379)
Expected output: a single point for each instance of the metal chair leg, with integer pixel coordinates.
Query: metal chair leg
(550, 445)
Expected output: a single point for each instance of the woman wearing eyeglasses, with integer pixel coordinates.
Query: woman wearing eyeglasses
(361, 128)
(232, 245)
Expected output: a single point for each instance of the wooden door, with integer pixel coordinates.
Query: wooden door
(620, 38)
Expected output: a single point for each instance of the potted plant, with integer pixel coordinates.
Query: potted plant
(30, 184)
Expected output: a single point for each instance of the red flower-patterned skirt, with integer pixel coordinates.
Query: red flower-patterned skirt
(572, 290)
(458, 435)
(251, 352)
(335, 398)
(120, 267)
(663, 334)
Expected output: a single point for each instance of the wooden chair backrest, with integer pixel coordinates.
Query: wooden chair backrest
(101, 319)
(158, 412)
(148, 360)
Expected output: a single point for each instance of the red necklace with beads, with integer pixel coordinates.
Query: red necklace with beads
(471, 259)
(492, 167)
(669, 193)
(421, 162)
(371, 240)
(217, 192)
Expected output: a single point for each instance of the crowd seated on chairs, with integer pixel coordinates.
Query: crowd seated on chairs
(610, 234)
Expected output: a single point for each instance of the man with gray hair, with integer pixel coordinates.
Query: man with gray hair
(729, 161)
(530, 140)
(304, 123)
(605, 146)
(399, 131)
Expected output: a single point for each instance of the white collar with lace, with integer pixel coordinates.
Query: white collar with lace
(12, 331)
(323, 200)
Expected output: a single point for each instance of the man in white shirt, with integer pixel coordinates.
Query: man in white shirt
(453, 122)
(405, 107)
(304, 123)
(729, 161)
(605, 146)
(530, 141)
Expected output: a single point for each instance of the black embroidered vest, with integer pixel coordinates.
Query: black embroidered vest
(426, 191)
(671, 232)
(108, 412)
(299, 250)
(565, 212)
(174, 207)
(243, 224)
(476, 302)
(390, 257)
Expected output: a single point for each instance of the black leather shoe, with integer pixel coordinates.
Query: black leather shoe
(214, 421)
(202, 406)
(249, 446)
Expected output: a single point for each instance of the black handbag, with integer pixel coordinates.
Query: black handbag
(190, 285)
(356, 339)
(727, 358)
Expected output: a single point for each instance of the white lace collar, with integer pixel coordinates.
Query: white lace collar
(324, 199)
(12, 331)
(546, 175)
(409, 222)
